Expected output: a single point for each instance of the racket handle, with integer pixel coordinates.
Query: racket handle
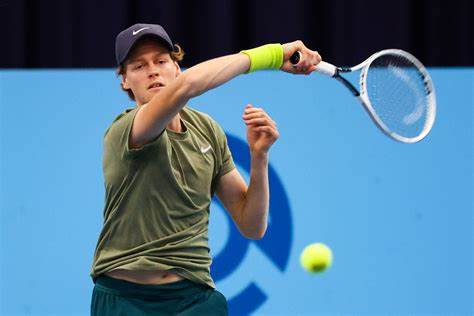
(326, 69)
(323, 67)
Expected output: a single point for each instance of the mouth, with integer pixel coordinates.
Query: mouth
(155, 85)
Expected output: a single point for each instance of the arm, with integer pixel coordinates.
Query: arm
(152, 118)
(248, 206)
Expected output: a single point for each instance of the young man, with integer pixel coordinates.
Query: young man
(163, 162)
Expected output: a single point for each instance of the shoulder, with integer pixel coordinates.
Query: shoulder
(122, 119)
(126, 114)
(194, 114)
(200, 119)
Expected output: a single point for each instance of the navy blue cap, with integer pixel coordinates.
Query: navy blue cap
(127, 38)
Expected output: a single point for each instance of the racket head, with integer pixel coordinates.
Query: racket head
(398, 93)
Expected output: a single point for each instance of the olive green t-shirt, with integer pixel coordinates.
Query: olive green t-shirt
(157, 197)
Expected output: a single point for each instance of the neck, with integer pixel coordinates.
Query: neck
(175, 124)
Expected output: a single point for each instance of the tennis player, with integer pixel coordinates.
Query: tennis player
(162, 164)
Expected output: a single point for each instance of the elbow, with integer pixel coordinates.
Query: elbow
(255, 234)
(189, 84)
(255, 237)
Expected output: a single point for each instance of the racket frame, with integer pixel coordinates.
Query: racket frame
(330, 70)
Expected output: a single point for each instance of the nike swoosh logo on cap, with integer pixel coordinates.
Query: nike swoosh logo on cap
(139, 30)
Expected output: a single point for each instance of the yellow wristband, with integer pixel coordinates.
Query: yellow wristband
(268, 56)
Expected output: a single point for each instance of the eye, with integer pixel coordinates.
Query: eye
(138, 66)
(161, 62)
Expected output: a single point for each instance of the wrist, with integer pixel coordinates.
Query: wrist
(257, 154)
(268, 56)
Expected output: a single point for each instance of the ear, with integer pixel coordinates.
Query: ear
(125, 82)
(178, 69)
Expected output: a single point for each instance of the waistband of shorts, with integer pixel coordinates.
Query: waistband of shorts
(176, 289)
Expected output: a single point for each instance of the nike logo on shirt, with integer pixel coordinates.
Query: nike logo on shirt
(139, 30)
(205, 149)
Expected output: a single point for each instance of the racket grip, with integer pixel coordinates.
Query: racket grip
(326, 69)
(323, 67)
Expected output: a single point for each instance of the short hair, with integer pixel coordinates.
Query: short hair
(177, 55)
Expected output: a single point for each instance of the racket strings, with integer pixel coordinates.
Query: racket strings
(396, 90)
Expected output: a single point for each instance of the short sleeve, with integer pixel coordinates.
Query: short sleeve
(227, 162)
(118, 135)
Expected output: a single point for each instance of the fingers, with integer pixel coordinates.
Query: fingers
(308, 61)
(270, 130)
(261, 129)
(314, 57)
(259, 121)
(307, 71)
(308, 58)
(257, 116)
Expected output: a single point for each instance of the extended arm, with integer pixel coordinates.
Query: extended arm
(152, 118)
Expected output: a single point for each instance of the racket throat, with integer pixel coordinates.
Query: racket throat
(345, 82)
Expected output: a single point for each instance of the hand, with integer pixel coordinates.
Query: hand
(261, 129)
(308, 61)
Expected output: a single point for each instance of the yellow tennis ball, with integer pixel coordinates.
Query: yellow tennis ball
(316, 257)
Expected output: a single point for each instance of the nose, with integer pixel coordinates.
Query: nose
(153, 71)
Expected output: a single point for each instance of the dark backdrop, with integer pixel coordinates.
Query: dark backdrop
(81, 33)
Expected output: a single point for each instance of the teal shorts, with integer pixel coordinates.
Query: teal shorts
(116, 297)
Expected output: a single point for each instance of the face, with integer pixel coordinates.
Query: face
(148, 69)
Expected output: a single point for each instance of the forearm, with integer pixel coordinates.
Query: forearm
(254, 214)
(213, 73)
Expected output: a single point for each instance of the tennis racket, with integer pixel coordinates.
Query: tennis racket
(394, 88)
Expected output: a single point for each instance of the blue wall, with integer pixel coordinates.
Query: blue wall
(398, 217)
